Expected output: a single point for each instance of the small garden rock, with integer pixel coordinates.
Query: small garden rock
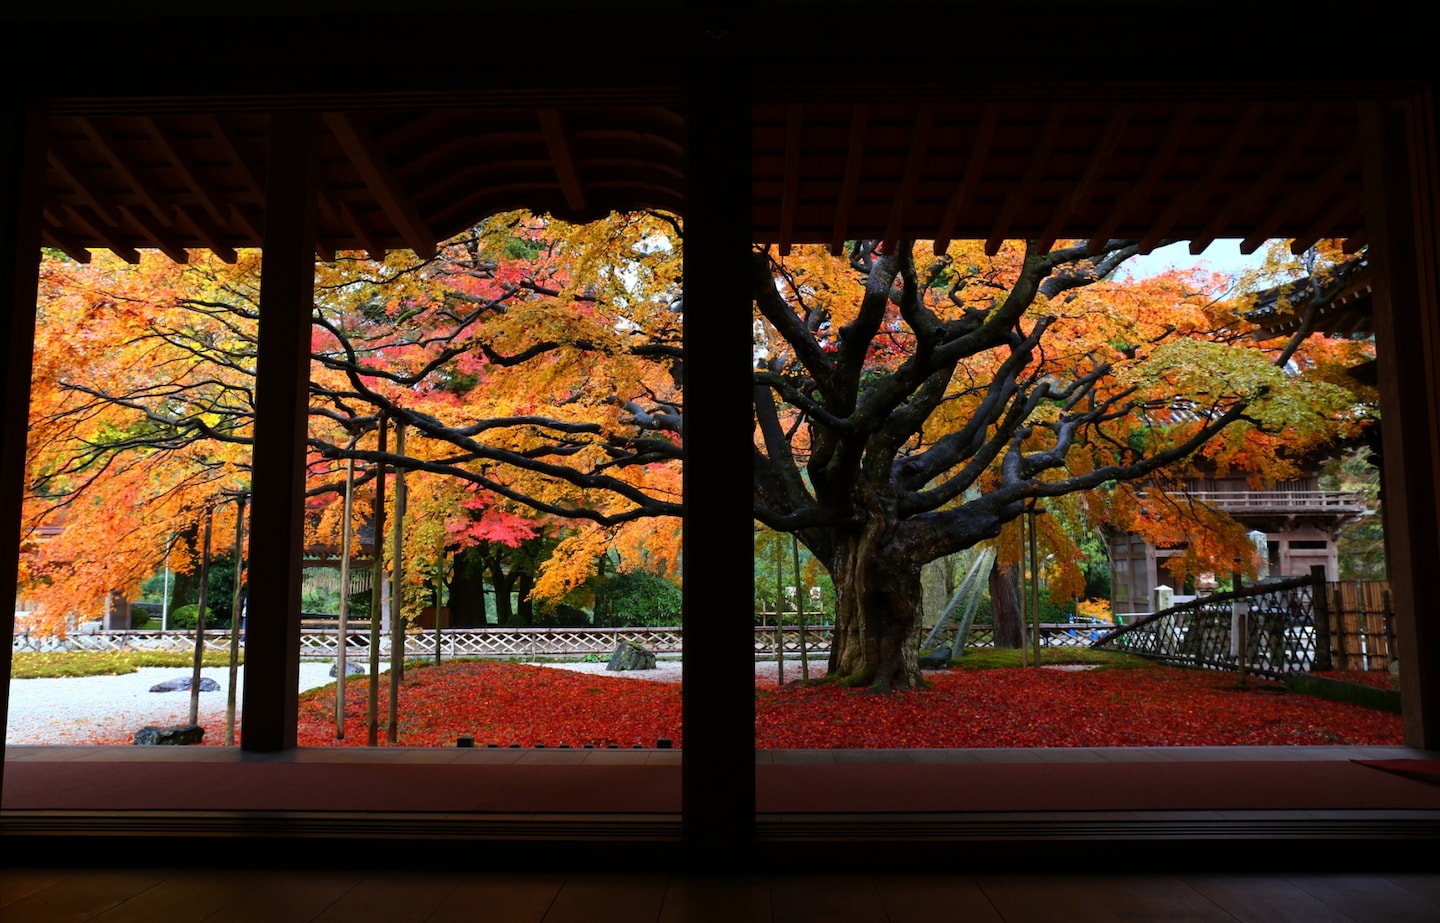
(937, 659)
(182, 684)
(180, 735)
(630, 656)
(351, 668)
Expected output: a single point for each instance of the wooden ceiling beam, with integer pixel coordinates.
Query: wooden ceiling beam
(201, 187)
(1265, 183)
(1094, 168)
(161, 237)
(1025, 189)
(914, 164)
(57, 237)
(229, 143)
(1202, 190)
(122, 164)
(208, 234)
(974, 167)
(850, 182)
(790, 190)
(367, 238)
(562, 158)
(106, 234)
(251, 221)
(1320, 227)
(1141, 190)
(77, 180)
(355, 140)
(1322, 190)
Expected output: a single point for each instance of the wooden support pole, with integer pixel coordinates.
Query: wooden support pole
(397, 615)
(342, 635)
(377, 576)
(1402, 212)
(237, 618)
(282, 382)
(23, 138)
(199, 659)
(718, 760)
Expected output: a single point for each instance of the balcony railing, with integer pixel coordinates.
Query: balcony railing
(1334, 502)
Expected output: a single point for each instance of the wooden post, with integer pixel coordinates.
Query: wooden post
(779, 614)
(282, 384)
(397, 621)
(800, 594)
(1035, 580)
(377, 574)
(237, 617)
(342, 639)
(199, 659)
(23, 143)
(1401, 160)
(718, 694)
(1321, 606)
(439, 586)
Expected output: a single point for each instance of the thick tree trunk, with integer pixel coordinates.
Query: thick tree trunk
(467, 590)
(1005, 605)
(877, 614)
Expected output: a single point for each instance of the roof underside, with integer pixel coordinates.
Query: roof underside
(827, 166)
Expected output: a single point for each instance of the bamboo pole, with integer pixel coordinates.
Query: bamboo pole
(779, 613)
(342, 643)
(1020, 595)
(397, 621)
(372, 708)
(200, 620)
(237, 610)
(1035, 581)
(800, 607)
(439, 585)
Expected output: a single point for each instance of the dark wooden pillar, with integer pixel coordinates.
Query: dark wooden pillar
(282, 381)
(719, 690)
(22, 168)
(1402, 218)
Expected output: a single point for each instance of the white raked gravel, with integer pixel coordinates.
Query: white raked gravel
(71, 710)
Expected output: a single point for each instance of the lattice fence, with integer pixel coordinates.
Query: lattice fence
(1269, 628)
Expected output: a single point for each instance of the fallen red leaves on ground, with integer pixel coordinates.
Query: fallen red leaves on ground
(503, 704)
(1152, 707)
(506, 703)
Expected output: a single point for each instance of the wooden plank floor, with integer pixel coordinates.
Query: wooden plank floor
(363, 896)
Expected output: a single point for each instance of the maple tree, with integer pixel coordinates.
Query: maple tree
(533, 365)
(910, 404)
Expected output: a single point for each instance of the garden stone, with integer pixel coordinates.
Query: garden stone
(630, 656)
(179, 735)
(182, 684)
(351, 668)
(937, 659)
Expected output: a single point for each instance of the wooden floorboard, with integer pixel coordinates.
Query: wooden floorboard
(609, 899)
(1264, 899)
(716, 899)
(482, 895)
(928, 898)
(369, 896)
(182, 898)
(1157, 899)
(81, 895)
(831, 898)
(1369, 897)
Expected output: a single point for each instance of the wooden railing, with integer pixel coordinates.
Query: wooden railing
(1293, 501)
